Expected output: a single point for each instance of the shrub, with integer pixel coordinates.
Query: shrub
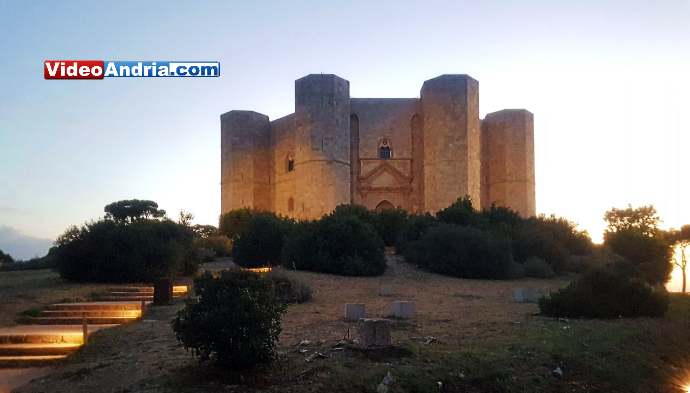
(416, 226)
(358, 211)
(461, 212)
(538, 268)
(388, 223)
(336, 244)
(463, 252)
(5, 258)
(289, 288)
(235, 222)
(235, 321)
(109, 251)
(648, 255)
(218, 245)
(261, 241)
(604, 293)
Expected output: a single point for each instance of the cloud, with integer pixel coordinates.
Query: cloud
(21, 246)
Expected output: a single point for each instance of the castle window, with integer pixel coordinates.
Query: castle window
(290, 166)
(384, 149)
(291, 204)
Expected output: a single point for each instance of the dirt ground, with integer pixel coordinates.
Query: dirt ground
(468, 336)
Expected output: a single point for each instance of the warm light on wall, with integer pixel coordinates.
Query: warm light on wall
(258, 269)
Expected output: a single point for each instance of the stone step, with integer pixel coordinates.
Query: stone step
(131, 289)
(100, 306)
(28, 361)
(121, 298)
(41, 349)
(77, 320)
(44, 334)
(77, 313)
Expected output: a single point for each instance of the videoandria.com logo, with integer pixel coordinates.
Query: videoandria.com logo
(99, 69)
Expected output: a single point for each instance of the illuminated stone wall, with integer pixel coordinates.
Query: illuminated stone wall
(508, 160)
(440, 151)
(452, 144)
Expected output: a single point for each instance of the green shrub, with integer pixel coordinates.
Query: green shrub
(605, 293)
(463, 252)
(110, 251)
(415, 227)
(289, 288)
(5, 258)
(235, 222)
(336, 244)
(219, 245)
(538, 268)
(358, 211)
(461, 212)
(649, 256)
(261, 241)
(389, 223)
(235, 321)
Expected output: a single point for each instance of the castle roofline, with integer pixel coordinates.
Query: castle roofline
(236, 112)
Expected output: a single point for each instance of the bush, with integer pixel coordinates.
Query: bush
(389, 223)
(538, 268)
(261, 241)
(218, 245)
(416, 226)
(235, 321)
(235, 222)
(289, 289)
(461, 212)
(109, 251)
(463, 252)
(336, 244)
(649, 256)
(604, 293)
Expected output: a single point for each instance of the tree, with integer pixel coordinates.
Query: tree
(185, 218)
(127, 211)
(643, 219)
(5, 258)
(633, 233)
(681, 241)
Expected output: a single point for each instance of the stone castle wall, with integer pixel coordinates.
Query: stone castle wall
(440, 151)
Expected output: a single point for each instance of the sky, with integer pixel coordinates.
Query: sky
(607, 82)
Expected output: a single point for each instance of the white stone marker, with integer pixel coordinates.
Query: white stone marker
(354, 311)
(374, 332)
(527, 295)
(402, 309)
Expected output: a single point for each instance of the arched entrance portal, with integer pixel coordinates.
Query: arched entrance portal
(383, 205)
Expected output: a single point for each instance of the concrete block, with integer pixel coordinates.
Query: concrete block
(527, 295)
(386, 290)
(354, 311)
(402, 309)
(374, 332)
(163, 291)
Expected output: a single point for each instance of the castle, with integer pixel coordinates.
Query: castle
(420, 154)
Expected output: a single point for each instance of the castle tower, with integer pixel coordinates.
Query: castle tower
(322, 137)
(508, 160)
(452, 144)
(245, 161)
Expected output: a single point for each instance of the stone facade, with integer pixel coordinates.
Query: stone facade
(420, 154)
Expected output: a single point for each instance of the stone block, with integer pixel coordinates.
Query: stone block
(354, 311)
(527, 295)
(386, 290)
(374, 332)
(163, 291)
(402, 309)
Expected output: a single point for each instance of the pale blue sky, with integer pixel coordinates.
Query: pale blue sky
(607, 81)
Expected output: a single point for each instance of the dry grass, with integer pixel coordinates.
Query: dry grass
(484, 342)
(23, 290)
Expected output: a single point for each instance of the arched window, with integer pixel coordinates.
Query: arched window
(385, 149)
(290, 163)
(291, 204)
(384, 205)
